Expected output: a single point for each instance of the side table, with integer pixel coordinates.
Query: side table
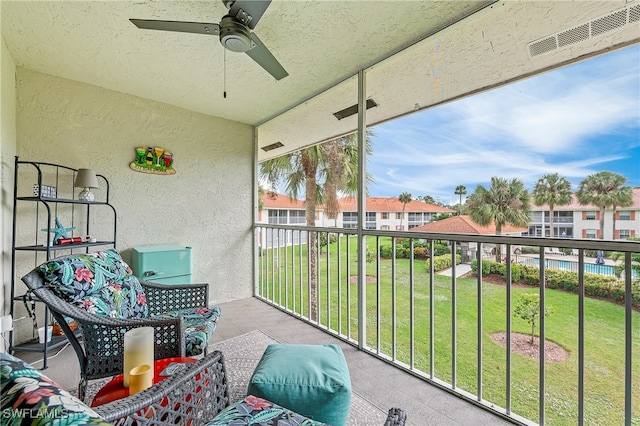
(114, 389)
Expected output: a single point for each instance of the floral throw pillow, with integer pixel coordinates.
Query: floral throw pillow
(29, 398)
(257, 411)
(101, 283)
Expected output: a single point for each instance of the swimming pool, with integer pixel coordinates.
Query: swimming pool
(572, 266)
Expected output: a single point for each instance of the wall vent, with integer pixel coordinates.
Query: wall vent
(353, 109)
(272, 146)
(620, 18)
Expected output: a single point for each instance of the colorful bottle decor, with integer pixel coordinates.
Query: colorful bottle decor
(153, 160)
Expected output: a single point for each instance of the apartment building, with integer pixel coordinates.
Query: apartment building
(578, 221)
(383, 213)
(389, 214)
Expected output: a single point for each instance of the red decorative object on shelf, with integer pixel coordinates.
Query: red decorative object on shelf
(63, 241)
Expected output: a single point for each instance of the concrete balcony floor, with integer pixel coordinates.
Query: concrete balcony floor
(378, 382)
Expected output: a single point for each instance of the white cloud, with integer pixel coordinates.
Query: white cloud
(575, 121)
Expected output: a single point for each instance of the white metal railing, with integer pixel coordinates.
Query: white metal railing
(437, 326)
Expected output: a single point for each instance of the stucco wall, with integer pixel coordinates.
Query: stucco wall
(205, 205)
(8, 148)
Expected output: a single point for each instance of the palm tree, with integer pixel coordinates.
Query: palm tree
(404, 198)
(428, 199)
(603, 189)
(621, 197)
(324, 171)
(503, 203)
(552, 190)
(460, 190)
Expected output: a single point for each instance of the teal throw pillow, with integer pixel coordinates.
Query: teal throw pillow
(312, 380)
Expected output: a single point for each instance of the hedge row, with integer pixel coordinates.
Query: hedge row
(443, 262)
(609, 288)
(420, 251)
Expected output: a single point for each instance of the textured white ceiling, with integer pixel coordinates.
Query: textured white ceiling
(318, 42)
(468, 46)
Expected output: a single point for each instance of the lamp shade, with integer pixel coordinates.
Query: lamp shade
(86, 178)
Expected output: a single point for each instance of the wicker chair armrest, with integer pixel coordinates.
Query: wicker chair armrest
(163, 298)
(396, 417)
(194, 396)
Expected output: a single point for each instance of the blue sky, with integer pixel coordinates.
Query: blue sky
(576, 120)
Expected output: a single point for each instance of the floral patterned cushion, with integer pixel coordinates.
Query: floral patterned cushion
(199, 325)
(258, 411)
(29, 398)
(101, 283)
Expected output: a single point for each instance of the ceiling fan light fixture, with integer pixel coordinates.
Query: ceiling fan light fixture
(234, 36)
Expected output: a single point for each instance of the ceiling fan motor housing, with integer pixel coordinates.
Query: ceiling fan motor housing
(234, 35)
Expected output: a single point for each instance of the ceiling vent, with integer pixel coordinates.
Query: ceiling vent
(272, 146)
(621, 18)
(353, 109)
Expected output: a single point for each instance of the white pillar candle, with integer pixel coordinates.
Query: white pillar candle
(138, 350)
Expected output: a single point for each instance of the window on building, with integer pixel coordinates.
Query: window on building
(371, 220)
(591, 233)
(399, 228)
(297, 216)
(625, 233)
(384, 227)
(277, 217)
(625, 215)
(399, 215)
(350, 220)
(384, 215)
(563, 217)
(590, 216)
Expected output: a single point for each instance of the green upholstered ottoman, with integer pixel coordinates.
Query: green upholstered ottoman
(312, 380)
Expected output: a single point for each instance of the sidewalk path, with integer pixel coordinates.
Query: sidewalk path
(461, 269)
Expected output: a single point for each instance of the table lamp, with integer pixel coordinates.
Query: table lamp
(86, 178)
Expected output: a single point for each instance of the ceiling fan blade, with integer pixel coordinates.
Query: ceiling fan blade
(180, 26)
(253, 8)
(265, 59)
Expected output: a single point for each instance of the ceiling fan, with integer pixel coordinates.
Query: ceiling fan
(234, 31)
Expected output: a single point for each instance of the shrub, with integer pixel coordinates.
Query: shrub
(441, 263)
(420, 253)
(497, 268)
(401, 252)
(595, 285)
(386, 252)
(530, 250)
(440, 249)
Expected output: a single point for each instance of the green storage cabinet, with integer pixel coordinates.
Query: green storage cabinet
(164, 264)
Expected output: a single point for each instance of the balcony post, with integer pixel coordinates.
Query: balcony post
(362, 208)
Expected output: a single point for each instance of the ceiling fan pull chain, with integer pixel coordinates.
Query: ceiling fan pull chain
(224, 73)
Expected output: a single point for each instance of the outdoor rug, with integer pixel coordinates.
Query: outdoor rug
(241, 356)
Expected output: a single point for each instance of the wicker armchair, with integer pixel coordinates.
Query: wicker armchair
(193, 397)
(102, 352)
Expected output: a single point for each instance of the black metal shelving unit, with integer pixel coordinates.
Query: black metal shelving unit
(57, 174)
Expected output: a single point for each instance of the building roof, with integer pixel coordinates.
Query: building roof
(391, 204)
(464, 225)
(575, 205)
(273, 200)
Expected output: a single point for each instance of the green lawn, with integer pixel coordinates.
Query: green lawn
(283, 282)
